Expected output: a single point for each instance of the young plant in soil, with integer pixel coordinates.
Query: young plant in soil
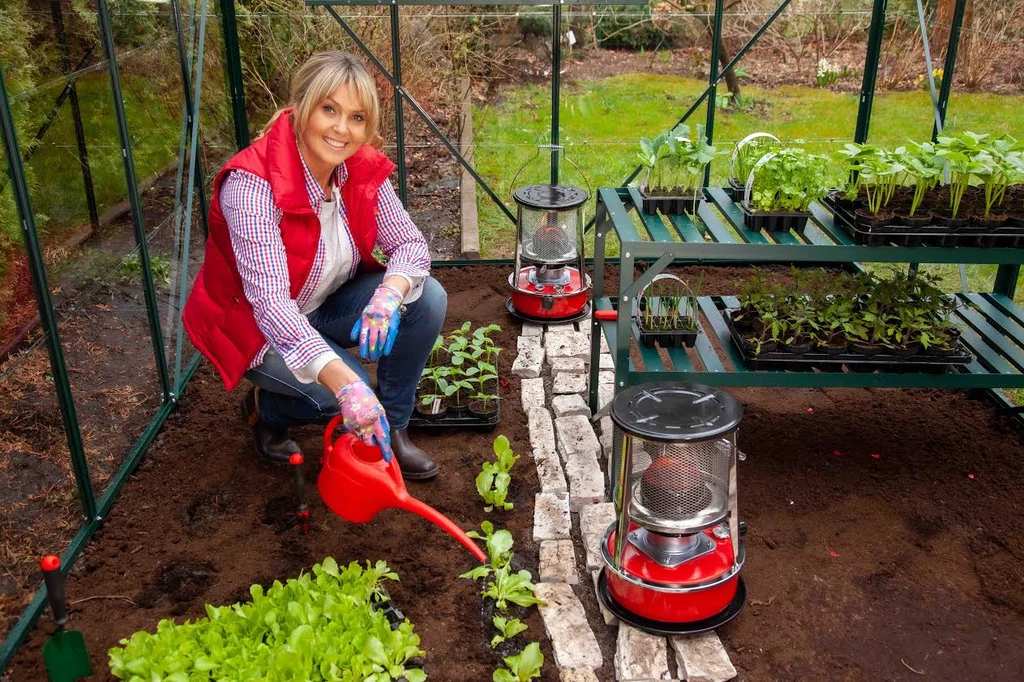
(493, 480)
(790, 181)
(675, 163)
(507, 629)
(322, 626)
(523, 667)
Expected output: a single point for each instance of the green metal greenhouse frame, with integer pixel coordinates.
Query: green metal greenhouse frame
(173, 376)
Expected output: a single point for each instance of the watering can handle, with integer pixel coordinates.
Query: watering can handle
(393, 470)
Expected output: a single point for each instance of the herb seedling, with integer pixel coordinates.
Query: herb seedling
(522, 667)
(507, 629)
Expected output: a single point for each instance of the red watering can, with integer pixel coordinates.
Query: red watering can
(356, 483)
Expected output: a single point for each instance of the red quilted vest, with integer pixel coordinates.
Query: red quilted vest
(217, 316)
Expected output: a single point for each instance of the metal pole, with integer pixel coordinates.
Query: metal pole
(950, 65)
(149, 290)
(76, 115)
(233, 65)
(423, 115)
(47, 317)
(739, 55)
(713, 82)
(192, 174)
(396, 69)
(191, 112)
(556, 67)
(867, 90)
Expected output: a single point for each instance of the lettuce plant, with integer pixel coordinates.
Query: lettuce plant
(506, 586)
(315, 627)
(522, 667)
(507, 629)
(493, 480)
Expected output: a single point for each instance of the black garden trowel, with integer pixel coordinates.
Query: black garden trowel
(64, 653)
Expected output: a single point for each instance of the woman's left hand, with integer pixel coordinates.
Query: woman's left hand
(377, 327)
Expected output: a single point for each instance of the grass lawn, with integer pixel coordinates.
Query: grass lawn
(602, 122)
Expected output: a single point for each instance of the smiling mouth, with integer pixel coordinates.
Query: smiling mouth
(334, 144)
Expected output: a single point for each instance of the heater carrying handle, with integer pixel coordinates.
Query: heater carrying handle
(551, 147)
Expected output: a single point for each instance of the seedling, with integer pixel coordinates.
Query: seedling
(522, 667)
(507, 629)
(517, 588)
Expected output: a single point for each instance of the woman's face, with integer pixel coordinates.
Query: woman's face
(335, 131)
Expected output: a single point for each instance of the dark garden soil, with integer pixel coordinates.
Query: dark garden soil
(885, 533)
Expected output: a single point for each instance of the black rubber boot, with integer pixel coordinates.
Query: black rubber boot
(269, 444)
(415, 464)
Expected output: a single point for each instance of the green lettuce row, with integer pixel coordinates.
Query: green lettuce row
(315, 627)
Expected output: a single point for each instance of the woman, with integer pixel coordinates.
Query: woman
(290, 279)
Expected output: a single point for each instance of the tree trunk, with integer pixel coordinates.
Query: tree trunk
(944, 21)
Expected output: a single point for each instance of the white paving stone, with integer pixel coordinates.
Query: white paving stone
(640, 656)
(567, 344)
(561, 327)
(576, 434)
(558, 562)
(570, 405)
(586, 480)
(542, 431)
(524, 342)
(531, 329)
(594, 521)
(551, 519)
(569, 383)
(577, 675)
(572, 640)
(606, 440)
(606, 378)
(529, 361)
(703, 658)
(549, 472)
(606, 361)
(531, 391)
(567, 364)
(608, 616)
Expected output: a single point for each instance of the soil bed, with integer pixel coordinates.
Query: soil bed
(884, 529)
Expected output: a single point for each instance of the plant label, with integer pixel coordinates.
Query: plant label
(436, 407)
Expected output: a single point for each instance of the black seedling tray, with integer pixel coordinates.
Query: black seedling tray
(667, 339)
(667, 205)
(469, 420)
(763, 221)
(847, 360)
(930, 235)
(395, 618)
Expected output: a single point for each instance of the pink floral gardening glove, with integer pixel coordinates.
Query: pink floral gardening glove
(377, 327)
(363, 416)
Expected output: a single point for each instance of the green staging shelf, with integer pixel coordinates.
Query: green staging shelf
(992, 324)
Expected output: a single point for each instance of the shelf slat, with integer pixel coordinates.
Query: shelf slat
(654, 224)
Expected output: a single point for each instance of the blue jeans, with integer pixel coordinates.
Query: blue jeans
(285, 401)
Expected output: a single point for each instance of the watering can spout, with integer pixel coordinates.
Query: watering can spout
(356, 483)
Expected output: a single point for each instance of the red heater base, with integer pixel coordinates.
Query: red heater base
(538, 301)
(698, 593)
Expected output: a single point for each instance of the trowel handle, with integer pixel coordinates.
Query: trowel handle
(55, 588)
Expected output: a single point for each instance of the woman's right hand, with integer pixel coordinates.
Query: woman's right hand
(363, 415)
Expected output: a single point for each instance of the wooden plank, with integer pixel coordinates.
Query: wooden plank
(983, 353)
(688, 232)
(721, 231)
(620, 218)
(654, 224)
(1008, 306)
(1007, 332)
(708, 215)
(470, 233)
(732, 212)
(824, 218)
(993, 338)
(718, 326)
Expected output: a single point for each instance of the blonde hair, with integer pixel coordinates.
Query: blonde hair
(318, 77)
